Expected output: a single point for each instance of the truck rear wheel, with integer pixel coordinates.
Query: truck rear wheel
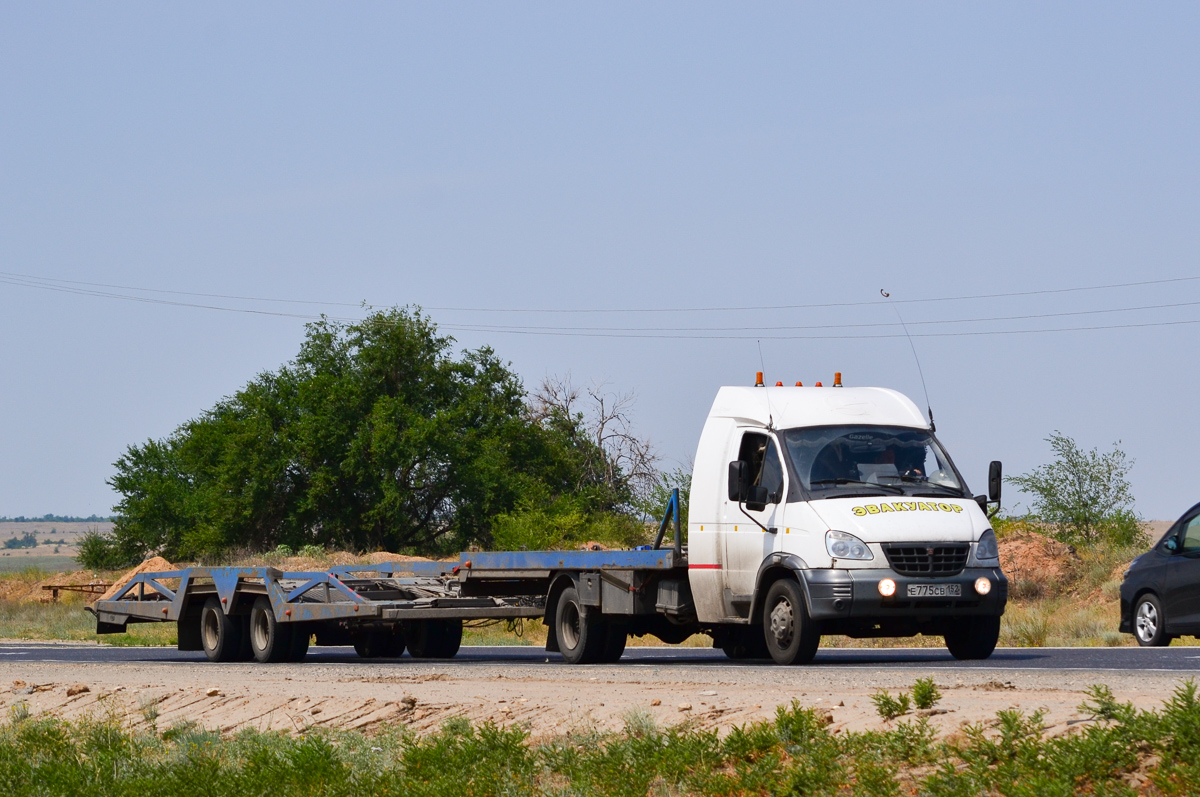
(220, 634)
(614, 643)
(582, 635)
(973, 639)
(270, 640)
(433, 639)
(792, 636)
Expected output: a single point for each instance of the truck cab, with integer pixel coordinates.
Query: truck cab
(832, 510)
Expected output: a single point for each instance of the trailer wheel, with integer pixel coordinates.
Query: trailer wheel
(301, 637)
(270, 640)
(220, 634)
(380, 643)
(433, 639)
(792, 636)
(973, 639)
(582, 635)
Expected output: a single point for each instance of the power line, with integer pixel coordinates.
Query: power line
(33, 281)
(640, 335)
(982, 319)
(672, 333)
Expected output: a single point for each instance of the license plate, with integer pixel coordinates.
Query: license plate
(935, 590)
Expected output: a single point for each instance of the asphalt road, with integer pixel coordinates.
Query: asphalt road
(1127, 660)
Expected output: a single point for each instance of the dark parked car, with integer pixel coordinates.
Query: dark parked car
(1160, 597)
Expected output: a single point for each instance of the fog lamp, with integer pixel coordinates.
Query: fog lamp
(887, 588)
(983, 585)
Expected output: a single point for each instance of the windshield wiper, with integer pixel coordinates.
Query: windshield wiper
(898, 490)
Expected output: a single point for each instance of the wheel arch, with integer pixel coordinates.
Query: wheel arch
(557, 584)
(775, 567)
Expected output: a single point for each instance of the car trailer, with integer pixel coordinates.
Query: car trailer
(591, 601)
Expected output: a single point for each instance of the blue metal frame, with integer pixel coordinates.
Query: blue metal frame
(147, 598)
(672, 514)
(526, 561)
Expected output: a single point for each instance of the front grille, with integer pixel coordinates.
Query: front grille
(931, 559)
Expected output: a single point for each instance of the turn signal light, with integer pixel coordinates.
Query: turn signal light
(983, 585)
(887, 588)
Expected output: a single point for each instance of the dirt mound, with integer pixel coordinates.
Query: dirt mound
(1032, 557)
(155, 564)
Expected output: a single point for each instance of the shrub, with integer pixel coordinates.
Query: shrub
(1084, 495)
(890, 707)
(925, 693)
(99, 552)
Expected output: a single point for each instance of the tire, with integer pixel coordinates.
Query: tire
(1149, 622)
(220, 634)
(380, 643)
(614, 643)
(973, 639)
(301, 637)
(245, 652)
(582, 635)
(433, 639)
(745, 643)
(270, 640)
(792, 636)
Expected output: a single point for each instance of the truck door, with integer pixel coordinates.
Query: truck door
(744, 541)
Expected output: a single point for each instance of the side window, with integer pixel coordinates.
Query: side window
(1191, 535)
(763, 455)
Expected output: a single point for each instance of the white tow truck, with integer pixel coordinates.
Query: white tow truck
(835, 510)
(813, 511)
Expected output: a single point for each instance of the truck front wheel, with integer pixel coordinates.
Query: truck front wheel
(972, 639)
(792, 636)
(582, 635)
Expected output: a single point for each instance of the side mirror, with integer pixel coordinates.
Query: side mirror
(739, 480)
(995, 479)
(1171, 545)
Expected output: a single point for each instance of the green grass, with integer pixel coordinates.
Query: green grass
(795, 753)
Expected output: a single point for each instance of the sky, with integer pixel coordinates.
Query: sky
(649, 191)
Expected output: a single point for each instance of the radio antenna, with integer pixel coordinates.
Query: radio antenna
(925, 390)
(770, 416)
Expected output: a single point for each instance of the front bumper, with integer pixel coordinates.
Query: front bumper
(854, 595)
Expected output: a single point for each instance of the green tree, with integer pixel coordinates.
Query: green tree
(375, 436)
(1084, 495)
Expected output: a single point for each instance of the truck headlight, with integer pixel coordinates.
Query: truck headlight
(986, 550)
(841, 545)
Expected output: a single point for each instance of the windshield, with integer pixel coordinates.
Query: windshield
(831, 461)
